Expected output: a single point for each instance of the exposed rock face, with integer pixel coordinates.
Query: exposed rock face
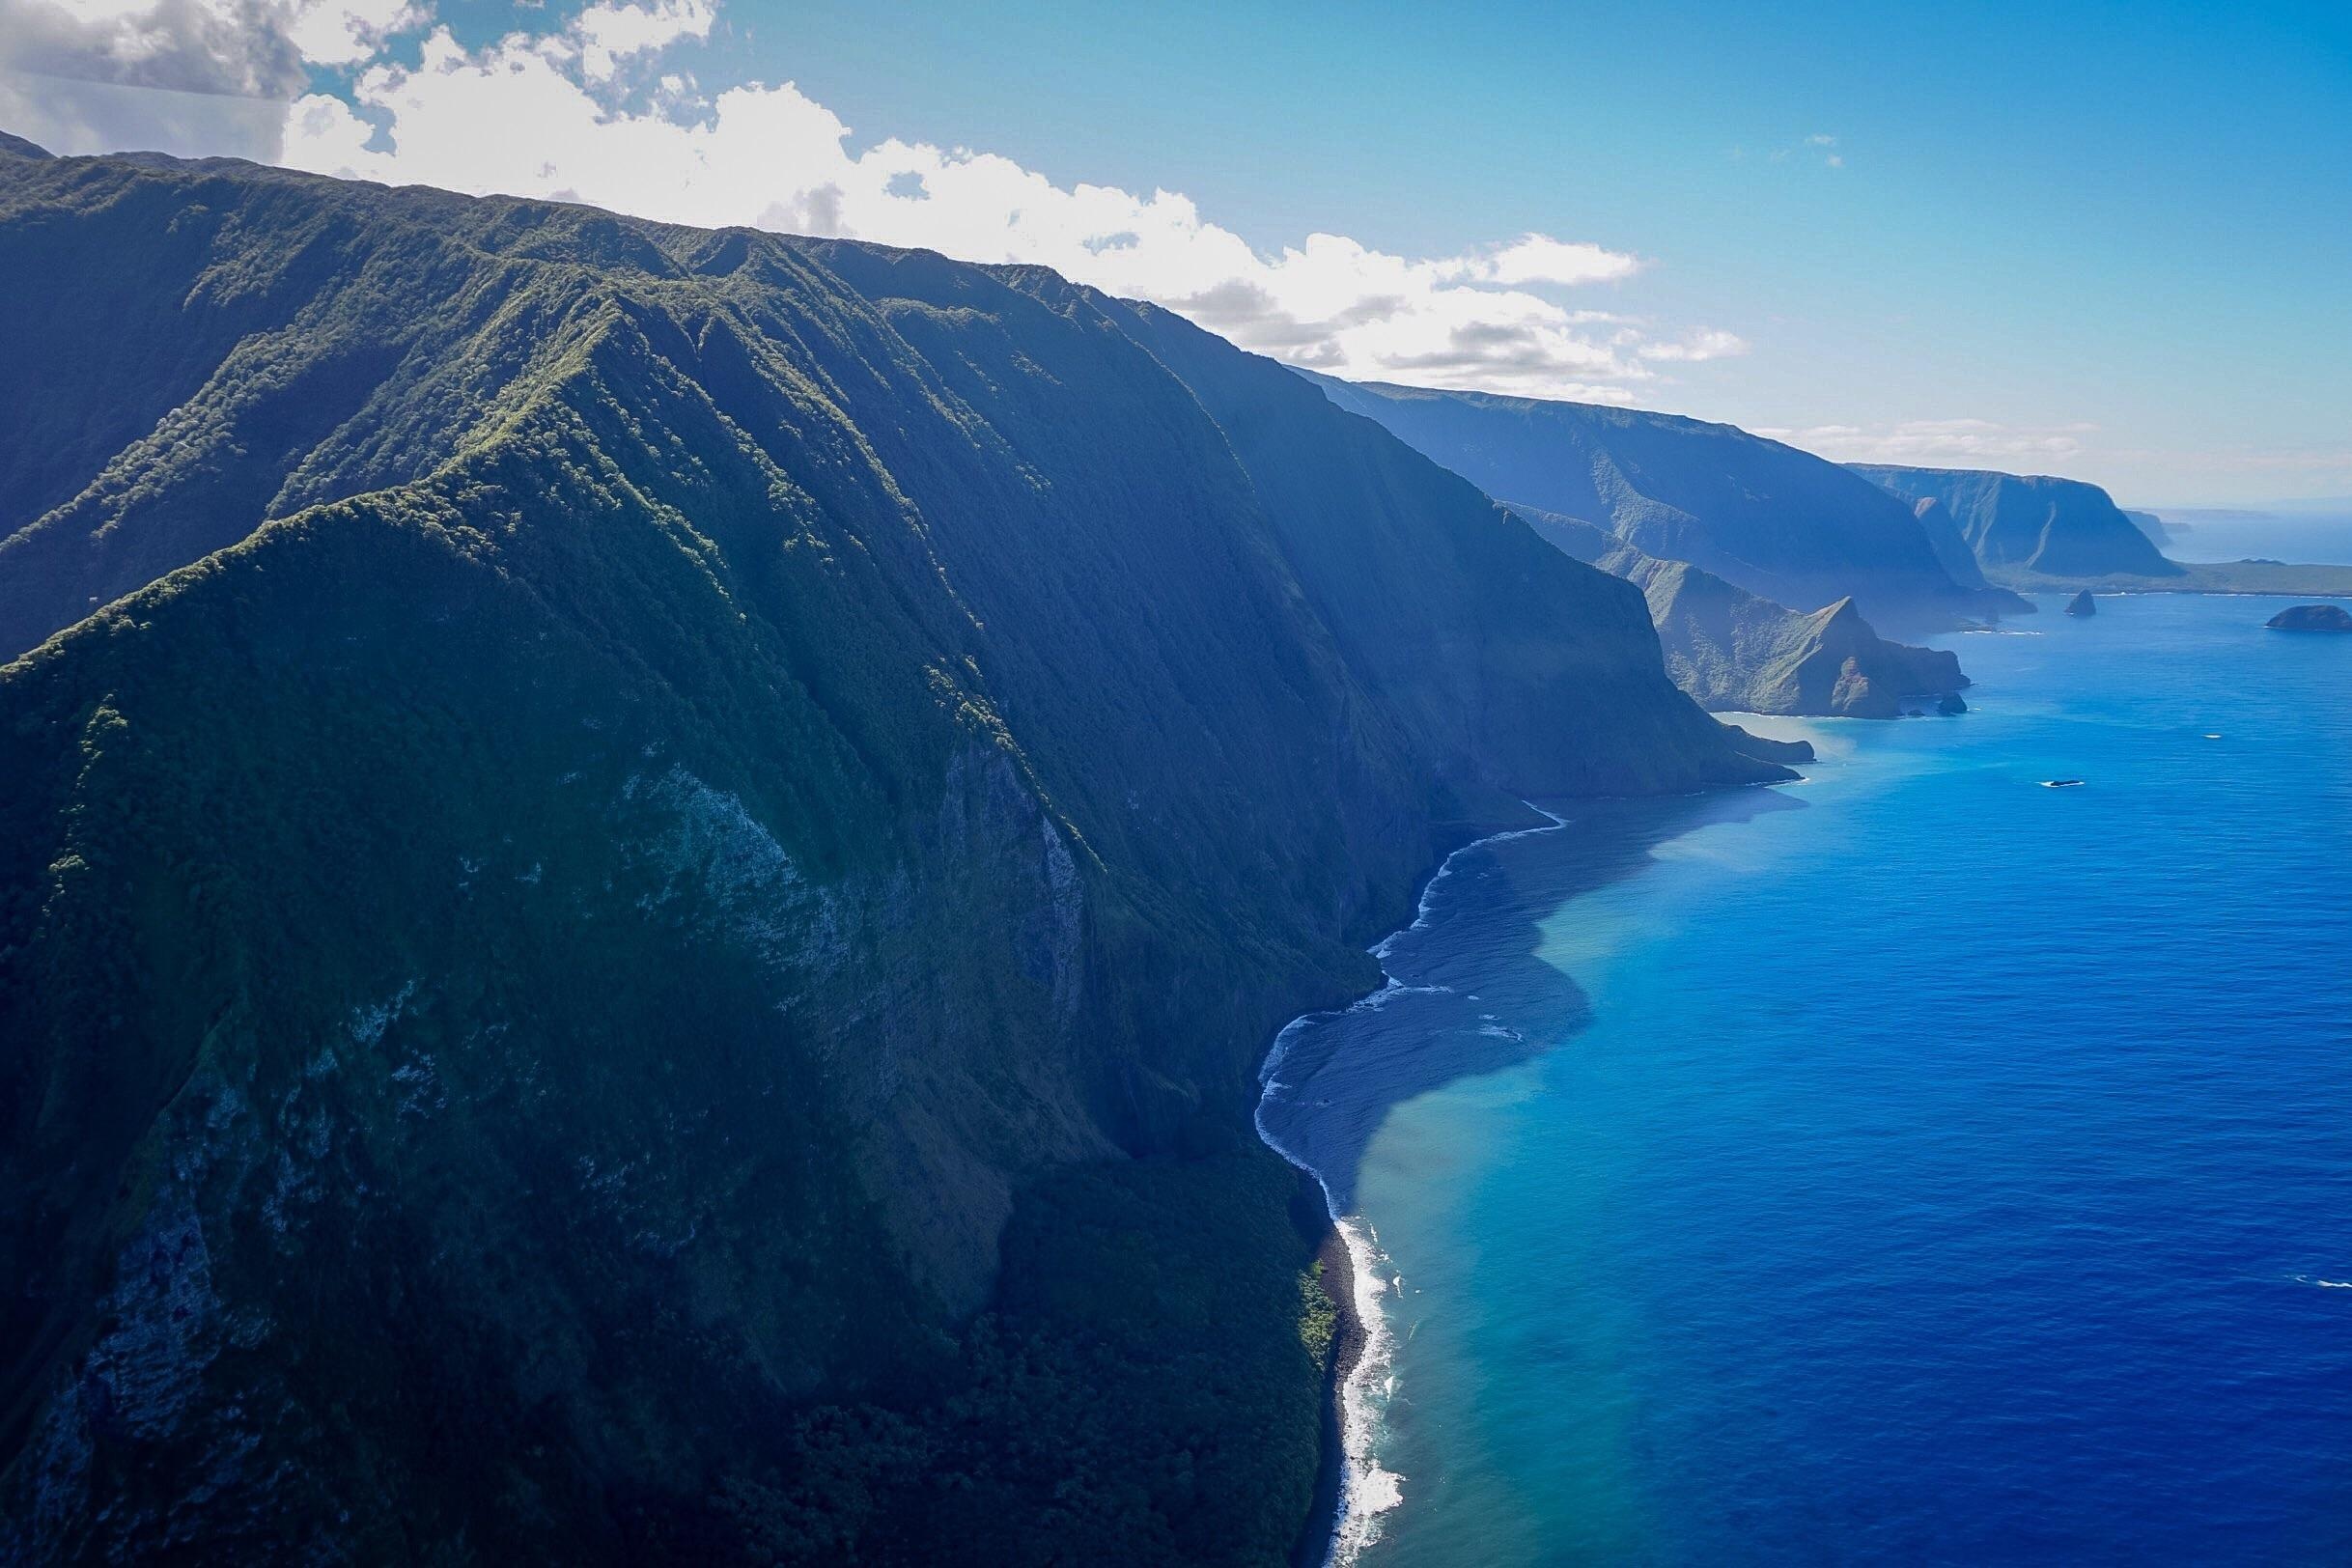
(2026, 528)
(651, 791)
(1952, 551)
(1764, 746)
(1780, 522)
(2082, 605)
(2311, 618)
(1734, 651)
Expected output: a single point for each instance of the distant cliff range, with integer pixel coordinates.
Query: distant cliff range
(1772, 520)
(1738, 651)
(2029, 531)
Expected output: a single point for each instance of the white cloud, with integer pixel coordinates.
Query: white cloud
(525, 117)
(349, 31)
(193, 78)
(234, 47)
(1540, 258)
(1936, 442)
(188, 76)
(1707, 344)
(609, 33)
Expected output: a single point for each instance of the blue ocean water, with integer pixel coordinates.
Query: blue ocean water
(1916, 1164)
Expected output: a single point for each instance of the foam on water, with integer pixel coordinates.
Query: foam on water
(1367, 1491)
(1912, 1165)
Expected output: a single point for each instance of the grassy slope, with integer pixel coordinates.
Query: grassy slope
(779, 770)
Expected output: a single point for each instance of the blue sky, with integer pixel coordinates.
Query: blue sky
(2107, 241)
(2135, 216)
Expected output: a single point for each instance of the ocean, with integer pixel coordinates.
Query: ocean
(1914, 1164)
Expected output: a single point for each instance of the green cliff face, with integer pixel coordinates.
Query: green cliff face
(1734, 651)
(2029, 530)
(649, 931)
(1778, 522)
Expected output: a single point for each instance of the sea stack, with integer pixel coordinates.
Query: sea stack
(2312, 618)
(2082, 605)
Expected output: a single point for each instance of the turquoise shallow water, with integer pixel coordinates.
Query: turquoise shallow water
(1914, 1164)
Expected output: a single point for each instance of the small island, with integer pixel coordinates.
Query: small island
(2312, 618)
(2082, 605)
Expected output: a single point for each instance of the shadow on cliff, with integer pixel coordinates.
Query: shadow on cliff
(1466, 992)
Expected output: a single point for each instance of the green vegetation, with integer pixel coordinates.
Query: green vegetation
(1146, 1389)
(673, 864)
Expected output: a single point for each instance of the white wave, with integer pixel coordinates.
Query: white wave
(1366, 1490)
(1392, 992)
(2323, 1284)
(1421, 912)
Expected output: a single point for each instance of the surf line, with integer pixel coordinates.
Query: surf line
(1366, 1490)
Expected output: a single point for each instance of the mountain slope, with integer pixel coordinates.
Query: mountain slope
(1734, 651)
(2026, 528)
(1778, 522)
(718, 782)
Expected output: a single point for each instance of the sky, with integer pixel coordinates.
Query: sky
(2107, 241)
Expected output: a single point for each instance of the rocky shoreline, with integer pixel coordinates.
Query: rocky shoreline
(1336, 1274)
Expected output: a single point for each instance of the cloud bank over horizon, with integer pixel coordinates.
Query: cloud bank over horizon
(594, 108)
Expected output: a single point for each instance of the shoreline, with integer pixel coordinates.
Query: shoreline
(2335, 582)
(1337, 1279)
(1347, 1253)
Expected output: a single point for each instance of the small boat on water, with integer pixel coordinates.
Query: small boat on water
(2061, 783)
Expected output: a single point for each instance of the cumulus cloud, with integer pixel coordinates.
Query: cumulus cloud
(1936, 442)
(610, 33)
(1540, 258)
(193, 78)
(348, 32)
(596, 108)
(1708, 344)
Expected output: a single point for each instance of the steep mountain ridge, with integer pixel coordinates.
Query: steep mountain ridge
(716, 780)
(1780, 522)
(1734, 651)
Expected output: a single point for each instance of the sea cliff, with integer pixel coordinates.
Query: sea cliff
(642, 871)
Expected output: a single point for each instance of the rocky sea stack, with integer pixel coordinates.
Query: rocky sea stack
(2311, 618)
(2082, 605)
